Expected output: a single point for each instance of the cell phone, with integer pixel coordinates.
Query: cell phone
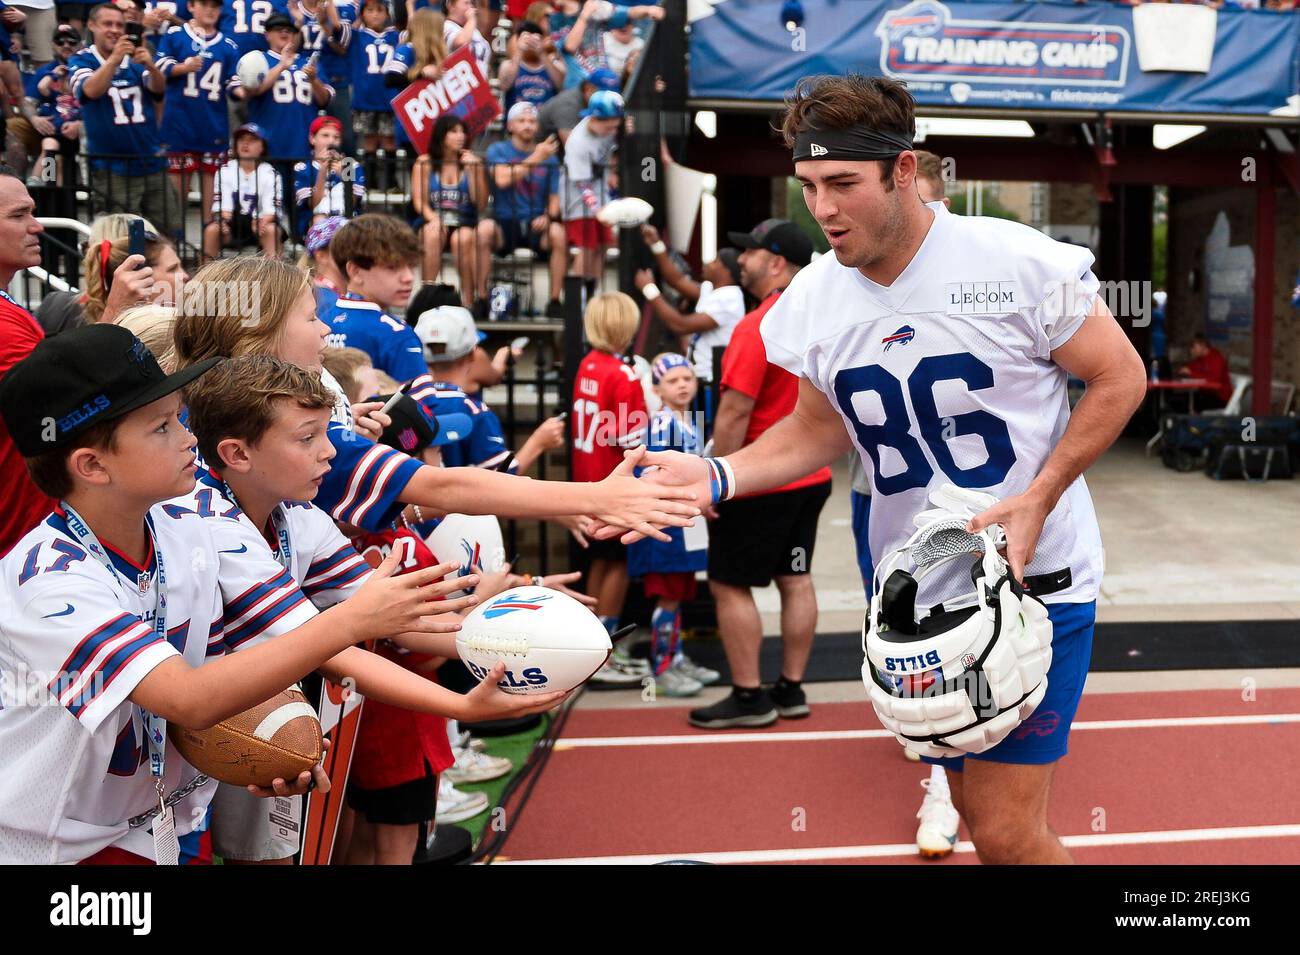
(519, 344)
(135, 32)
(135, 237)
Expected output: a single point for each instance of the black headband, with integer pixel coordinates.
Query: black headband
(854, 144)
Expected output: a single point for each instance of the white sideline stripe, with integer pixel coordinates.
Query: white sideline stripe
(274, 721)
(580, 742)
(909, 849)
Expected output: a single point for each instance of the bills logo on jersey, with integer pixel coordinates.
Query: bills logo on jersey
(900, 337)
(509, 603)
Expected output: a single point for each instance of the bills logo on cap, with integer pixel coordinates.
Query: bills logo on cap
(816, 150)
(900, 337)
(508, 603)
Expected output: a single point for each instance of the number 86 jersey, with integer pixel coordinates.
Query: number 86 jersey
(946, 376)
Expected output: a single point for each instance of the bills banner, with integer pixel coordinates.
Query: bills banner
(461, 91)
(1007, 56)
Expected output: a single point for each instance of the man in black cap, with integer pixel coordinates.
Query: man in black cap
(761, 538)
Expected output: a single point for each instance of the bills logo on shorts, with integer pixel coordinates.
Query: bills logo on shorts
(509, 603)
(900, 337)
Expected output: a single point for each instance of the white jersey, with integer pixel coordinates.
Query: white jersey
(322, 563)
(257, 193)
(946, 377)
(726, 306)
(75, 641)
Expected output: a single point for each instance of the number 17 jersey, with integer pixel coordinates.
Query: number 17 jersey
(946, 377)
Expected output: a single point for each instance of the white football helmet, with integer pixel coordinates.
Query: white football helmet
(966, 674)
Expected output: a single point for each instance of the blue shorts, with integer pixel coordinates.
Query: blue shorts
(860, 505)
(1042, 738)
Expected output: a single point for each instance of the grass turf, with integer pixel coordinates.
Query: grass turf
(515, 748)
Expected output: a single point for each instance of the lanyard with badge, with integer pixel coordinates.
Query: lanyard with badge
(166, 846)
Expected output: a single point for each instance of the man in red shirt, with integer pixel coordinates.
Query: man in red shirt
(759, 538)
(20, 248)
(1208, 364)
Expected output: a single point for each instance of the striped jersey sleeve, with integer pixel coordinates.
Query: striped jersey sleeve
(260, 597)
(332, 568)
(365, 481)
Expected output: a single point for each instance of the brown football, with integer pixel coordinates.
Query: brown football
(277, 739)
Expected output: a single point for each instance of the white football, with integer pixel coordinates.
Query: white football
(472, 539)
(626, 213)
(252, 68)
(548, 640)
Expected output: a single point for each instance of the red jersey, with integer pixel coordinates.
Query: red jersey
(746, 369)
(393, 744)
(1212, 367)
(609, 415)
(25, 505)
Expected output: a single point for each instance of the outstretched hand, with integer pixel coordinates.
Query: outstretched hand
(643, 505)
(668, 471)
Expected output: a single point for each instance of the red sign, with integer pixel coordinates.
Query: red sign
(460, 90)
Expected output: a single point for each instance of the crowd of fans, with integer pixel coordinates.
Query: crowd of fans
(164, 101)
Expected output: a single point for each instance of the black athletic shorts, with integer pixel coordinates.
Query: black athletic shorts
(772, 535)
(406, 805)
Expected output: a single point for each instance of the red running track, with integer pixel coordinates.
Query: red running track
(1205, 784)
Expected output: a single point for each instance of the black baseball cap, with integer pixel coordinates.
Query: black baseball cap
(80, 378)
(412, 430)
(778, 236)
(277, 20)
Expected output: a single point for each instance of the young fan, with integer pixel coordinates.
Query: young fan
(291, 94)
(260, 424)
(321, 186)
(451, 339)
(375, 254)
(369, 485)
(116, 612)
(371, 50)
(669, 569)
(329, 281)
(247, 198)
(609, 415)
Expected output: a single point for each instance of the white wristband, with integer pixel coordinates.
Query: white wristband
(650, 292)
(659, 248)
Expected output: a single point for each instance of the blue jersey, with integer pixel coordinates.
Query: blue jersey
(244, 21)
(120, 123)
(527, 199)
(326, 298)
(391, 343)
(194, 106)
(530, 86)
(335, 68)
(669, 433)
(485, 445)
(370, 53)
(400, 62)
(334, 202)
(286, 111)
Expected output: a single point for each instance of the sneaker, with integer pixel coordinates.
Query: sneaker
(472, 767)
(465, 741)
(554, 308)
(672, 682)
(790, 700)
(690, 668)
(457, 806)
(937, 833)
(614, 674)
(638, 665)
(732, 712)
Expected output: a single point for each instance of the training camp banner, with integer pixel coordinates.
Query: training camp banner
(1101, 56)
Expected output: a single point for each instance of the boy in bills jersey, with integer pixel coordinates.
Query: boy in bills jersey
(200, 66)
(450, 339)
(938, 347)
(321, 187)
(291, 95)
(116, 611)
(247, 199)
(369, 53)
(609, 416)
(326, 27)
(376, 254)
(261, 426)
(116, 82)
